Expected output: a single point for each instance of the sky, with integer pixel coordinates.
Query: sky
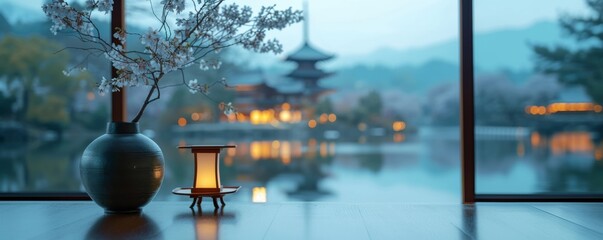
(356, 27)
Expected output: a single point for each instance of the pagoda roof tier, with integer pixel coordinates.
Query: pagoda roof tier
(256, 80)
(308, 73)
(308, 53)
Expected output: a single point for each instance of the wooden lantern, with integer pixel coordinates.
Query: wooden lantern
(206, 181)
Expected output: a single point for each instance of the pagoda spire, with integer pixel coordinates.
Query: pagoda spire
(306, 22)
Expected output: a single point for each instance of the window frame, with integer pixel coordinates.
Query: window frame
(467, 127)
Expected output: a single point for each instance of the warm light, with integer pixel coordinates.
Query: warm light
(297, 149)
(362, 127)
(537, 110)
(241, 117)
(533, 110)
(228, 161)
(267, 116)
(207, 168)
(571, 142)
(255, 116)
(256, 150)
(398, 126)
(312, 123)
(311, 152)
(274, 152)
(231, 152)
(285, 106)
(399, 137)
(158, 174)
(207, 176)
(535, 139)
(90, 96)
(285, 116)
(258, 195)
(232, 117)
(181, 122)
(599, 152)
(195, 116)
(323, 118)
(332, 117)
(263, 150)
(297, 116)
(286, 153)
(206, 228)
(564, 107)
(521, 151)
(323, 149)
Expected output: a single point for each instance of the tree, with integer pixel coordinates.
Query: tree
(324, 106)
(46, 92)
(582, 66)
(443, 105)
(369, 109)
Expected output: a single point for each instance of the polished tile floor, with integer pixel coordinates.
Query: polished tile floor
(174, 220)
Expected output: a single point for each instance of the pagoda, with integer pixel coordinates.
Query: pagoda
(306, 58)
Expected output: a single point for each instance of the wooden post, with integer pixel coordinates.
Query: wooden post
(118, 99)
(467, 102)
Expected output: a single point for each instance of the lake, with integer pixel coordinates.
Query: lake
(421, 167)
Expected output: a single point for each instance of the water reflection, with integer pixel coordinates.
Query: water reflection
(558, 162)
(405, 167)
(258, 195)
(40, 166)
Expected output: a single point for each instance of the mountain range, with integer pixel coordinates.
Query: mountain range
(494, 50)
(414, 69)
(417, 70)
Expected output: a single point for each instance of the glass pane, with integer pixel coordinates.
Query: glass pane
(538, 97)
(50, 109)
(380, 125)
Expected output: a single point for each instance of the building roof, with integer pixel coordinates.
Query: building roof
(308, 53)
(300, 73)
(254, 79)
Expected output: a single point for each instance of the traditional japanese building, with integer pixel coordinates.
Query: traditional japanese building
(284, 97)
(307, 57)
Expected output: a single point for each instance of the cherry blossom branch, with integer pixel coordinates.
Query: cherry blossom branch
(211, 27)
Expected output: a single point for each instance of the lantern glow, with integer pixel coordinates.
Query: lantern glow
(207, 172)
(206, 181)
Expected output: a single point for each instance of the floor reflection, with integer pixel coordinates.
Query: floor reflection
(207, 222)
(124, 226)
(469, 221)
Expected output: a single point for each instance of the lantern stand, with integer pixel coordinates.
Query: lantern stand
(207, 176)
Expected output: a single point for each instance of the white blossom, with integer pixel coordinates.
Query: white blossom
(229, 108)
(173, 5)
(195, 87)
(197, 37)
(105, 6)
(121, 36)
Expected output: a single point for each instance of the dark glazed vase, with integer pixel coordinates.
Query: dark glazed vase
(122, 169)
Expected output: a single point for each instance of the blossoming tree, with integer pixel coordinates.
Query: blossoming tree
(186, 33)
